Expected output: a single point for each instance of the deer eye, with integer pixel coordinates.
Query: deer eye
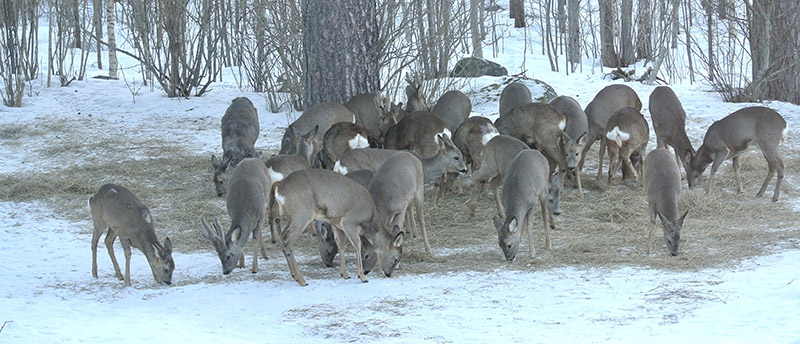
(456, 158)
(509, 246)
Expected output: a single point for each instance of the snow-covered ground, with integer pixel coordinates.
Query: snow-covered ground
(47, 293)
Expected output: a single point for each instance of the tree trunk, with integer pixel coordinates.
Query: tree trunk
(775, 45)
(341, 52)
(644, 25)
(97, 19)
(626, 34)
(608, 22)
(574, 31)
(516, 10)
(112, 41)
(676, 4)
(475, 27)
(77, 23)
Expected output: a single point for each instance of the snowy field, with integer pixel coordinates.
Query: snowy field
(47, 293)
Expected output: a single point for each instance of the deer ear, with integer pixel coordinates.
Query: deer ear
(513, 225)
(440, 140)
(398, 238)
(167, 246)
(683, 217)
(311, 133)
(564, 137)
(215, 163)
(498, 223)
(581, 138)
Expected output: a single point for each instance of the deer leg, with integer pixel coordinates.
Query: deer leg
(545, 215)
(495, 185)
(341, 243)
(111, 235)
(98, 231)
(586, 147)
(288, 236)
(626, 160)
(736, 166)
(612, 165)
(272, 215)
(478, 192)
(527, 226)
(421, 218)
(600, 162)
(774, 163)
(352, 233)
(652, 229)
(409, 221)
(257, 234)
(126, 247)
(718, 159)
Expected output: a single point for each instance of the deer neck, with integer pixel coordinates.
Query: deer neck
(432, 166)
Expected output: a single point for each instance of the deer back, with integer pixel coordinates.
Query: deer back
(627, 127)
(371, 111)
(669, 120)
(310, 128)
(282, 165)
(395, 185)
(662, 183)
(362, 159)
(513, 95)
(498, 154)
(607, 102)
(576, 129)
(416, 132)
(327, 194)
(340, 138)
(453, 108)
(471, 136)
(240, 129)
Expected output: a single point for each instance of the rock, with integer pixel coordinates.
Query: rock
(472, 67)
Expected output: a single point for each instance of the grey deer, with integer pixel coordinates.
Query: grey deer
(240, 131)
(626, 138)
(453, 108)
(662, 183)
(118, 212)
(248, 195)
(304, 136)
(513, 95)
(497, 155)
(374, 114)
(575, 131)
(669, 123)
(526, 185)
(729, 137)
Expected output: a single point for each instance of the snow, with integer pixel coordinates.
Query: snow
(47, 293)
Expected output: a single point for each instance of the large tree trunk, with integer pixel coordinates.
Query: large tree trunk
(97, 19)
(574, 31)
(112, 41)
(644, 25)
(340, 44)
(775, 45)
(475, 27)
(608, 23)
(626, 34)
(516, 10)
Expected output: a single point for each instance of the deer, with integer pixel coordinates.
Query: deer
(416, 132)
(496, 157)
(341, 137)
(540, 126)
(513, 95)
(730, 136)
(627, 134)
(362, 159)
(246, 201)
(240, 129)
(575, 131)
(669, 123)
(118, 212)
(607, 102)
(526, 185)
(415, 98)
(662, 183)
(470, 138)
(373, 114)
(305, 135)
(453, 108)
(278, 167)
(324, 195)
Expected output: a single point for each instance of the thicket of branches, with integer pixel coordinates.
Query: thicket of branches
(746, 49)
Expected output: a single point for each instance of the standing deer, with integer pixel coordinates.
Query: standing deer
(540, 126)
(278, 167)
(118, 212)
(453, 108)
(415, 98)
(341, 137)
(304, 136)
(248, 195)
(607, 102)
(662, 183)
(669, 123)
(513, 95)
(327, 196)
(627, 135)
(373, 114)
(526, 185)
(240, 131)
(416, 132)
(496, 157)
(470, 138)
(576, 129)
(729, 137)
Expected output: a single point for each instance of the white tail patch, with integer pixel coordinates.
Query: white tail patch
(337, 167)
(783, 133)
(274, 176)
(562, 124)
(146, 215)
(488, 136)
(358, 142)
(279, 198)
(617, 135)
(447, 132)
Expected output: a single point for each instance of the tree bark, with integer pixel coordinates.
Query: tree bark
(516, 10)
(76, 22)
(608, 22)
(340, 43)
(644, 25)
(475, 27)
(112, 41)
(574, 31)
(626, 34)
(97, 19)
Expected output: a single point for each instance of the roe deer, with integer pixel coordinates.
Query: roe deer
(373, 114)
(240, 131)
(526, 185)
(304, 136)
(278, 167)
(607, 102)
(471, 136)
(417, 133)
(118, 212)
(415, 98)
(341, 137)
(669, 123)
(627, 135)
(453, 107)
(729, 137)
(248, 195)
(362, 159)
(497, 155)
(576, 129)
(662, 183)
(513, 95)
(327, 196)
(541, 126)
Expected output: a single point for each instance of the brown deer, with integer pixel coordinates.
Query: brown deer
(662, 183)
(540, 126)
(496, 157)
(729, 137)
(526, 185)
(248, 195)
(513, 95)
(304, 136)
(118, 212)
(453, 108)
(341, 137)
(471, 136)
(627, 135)
(373, 114)
(669, 123)
(575, 131)
(240, 131)
(327, 196)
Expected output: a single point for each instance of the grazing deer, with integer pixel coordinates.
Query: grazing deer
(373, 114)
(729, 137)
(626, 136)
(240, 131)
(341, 137)
(526, 185)
(607, 102)
(417, 133)
(496, 157)
(540, 126)
(471, 136)
(453, 108)
(362, 159)
(397, 186)
(669, 123)
(662, 183)
(278, 167)
(305, 135)
(362, 177)
(118, 212)
(248, 195)
(327, 196)
(576, 129)
(513, 95)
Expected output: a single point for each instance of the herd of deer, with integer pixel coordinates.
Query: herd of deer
(368, 196)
